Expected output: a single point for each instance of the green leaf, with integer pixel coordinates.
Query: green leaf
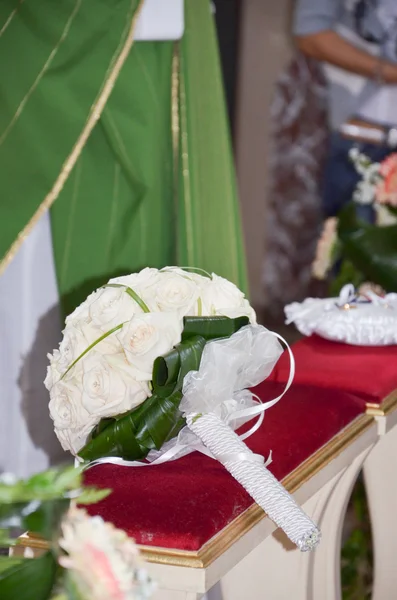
(392, 210)
(69, 478)
(49, 485)
(190, 353)
(371, 249)
(93, 495)
(160, 420)
(347, 274)
(165, 373)
(212, 328)
(45, 520)
(141, 430)
(38, 504)
(131, 293)
(9, 562)
(27, 579)
(36, 516)
(91, 346)
(169, 370)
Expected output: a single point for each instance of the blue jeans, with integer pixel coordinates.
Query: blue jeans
(341, 177)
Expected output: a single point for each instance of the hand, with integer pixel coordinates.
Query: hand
(328, 46)
(388, 72)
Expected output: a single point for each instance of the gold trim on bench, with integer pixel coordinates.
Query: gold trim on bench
(253, 515)
(384, 408)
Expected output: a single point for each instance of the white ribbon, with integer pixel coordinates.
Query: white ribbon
(349, 296)
(244, 414)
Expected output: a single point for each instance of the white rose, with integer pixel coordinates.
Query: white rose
(112, 307)
(221, 297)
(54, 373)
(108, 345)
(148, 336)
(106, 392)
(73, 440)
(72, 345)
(176, 292)
(81, 313)
(142, 284)
(65, 406)
(245, 310)
(143, 279)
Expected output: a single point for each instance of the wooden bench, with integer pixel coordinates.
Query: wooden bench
(201, 531)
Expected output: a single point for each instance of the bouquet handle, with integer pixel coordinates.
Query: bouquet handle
(249, 470)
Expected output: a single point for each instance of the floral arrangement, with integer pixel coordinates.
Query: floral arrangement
(115, 382)
(102, 561)
(86, 558)
(160, 363)
(358, 251)
(378, 185)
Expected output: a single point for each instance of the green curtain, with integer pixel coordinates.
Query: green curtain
(55, 57)
(115, 215)
(154, 184)
(209, 227)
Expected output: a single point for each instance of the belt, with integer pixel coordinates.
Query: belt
(374, 135)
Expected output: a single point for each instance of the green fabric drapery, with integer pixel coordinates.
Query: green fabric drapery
(154, 183)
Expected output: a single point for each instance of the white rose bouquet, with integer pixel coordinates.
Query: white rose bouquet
(116, 381)
(160, 363)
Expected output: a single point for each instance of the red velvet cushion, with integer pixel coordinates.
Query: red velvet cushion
(184, 503)
(368, 372)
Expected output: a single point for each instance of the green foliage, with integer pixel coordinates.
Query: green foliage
(38, 504)
(347, 274)
(26, 578)
(372, 250)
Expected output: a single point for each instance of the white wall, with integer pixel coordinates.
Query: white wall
(264, 51)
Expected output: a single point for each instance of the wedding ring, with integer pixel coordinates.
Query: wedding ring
(347, 306)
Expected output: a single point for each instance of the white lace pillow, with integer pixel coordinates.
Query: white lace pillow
(352, 319)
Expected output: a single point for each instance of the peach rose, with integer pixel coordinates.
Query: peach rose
(386, 191)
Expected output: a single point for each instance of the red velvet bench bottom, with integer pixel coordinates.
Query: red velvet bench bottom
(183, 504)
(368, 372)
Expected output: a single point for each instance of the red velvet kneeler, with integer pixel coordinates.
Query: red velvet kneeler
(184, 503)
(368, 372)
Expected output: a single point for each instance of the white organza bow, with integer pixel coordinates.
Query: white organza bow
(228, 368)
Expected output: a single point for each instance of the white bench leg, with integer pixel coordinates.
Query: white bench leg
(325, 582)
(380, 473)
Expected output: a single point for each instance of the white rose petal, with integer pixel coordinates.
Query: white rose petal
(112, 307)
(221, 297)
(74, 439)
(245, 310)
(106, 392)
(65, 406)
(176, 292)
(108, 345)
(54, 373)
(81, 313)
(142, 284)
(145, 278)
(72, 345)
(149, 336)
